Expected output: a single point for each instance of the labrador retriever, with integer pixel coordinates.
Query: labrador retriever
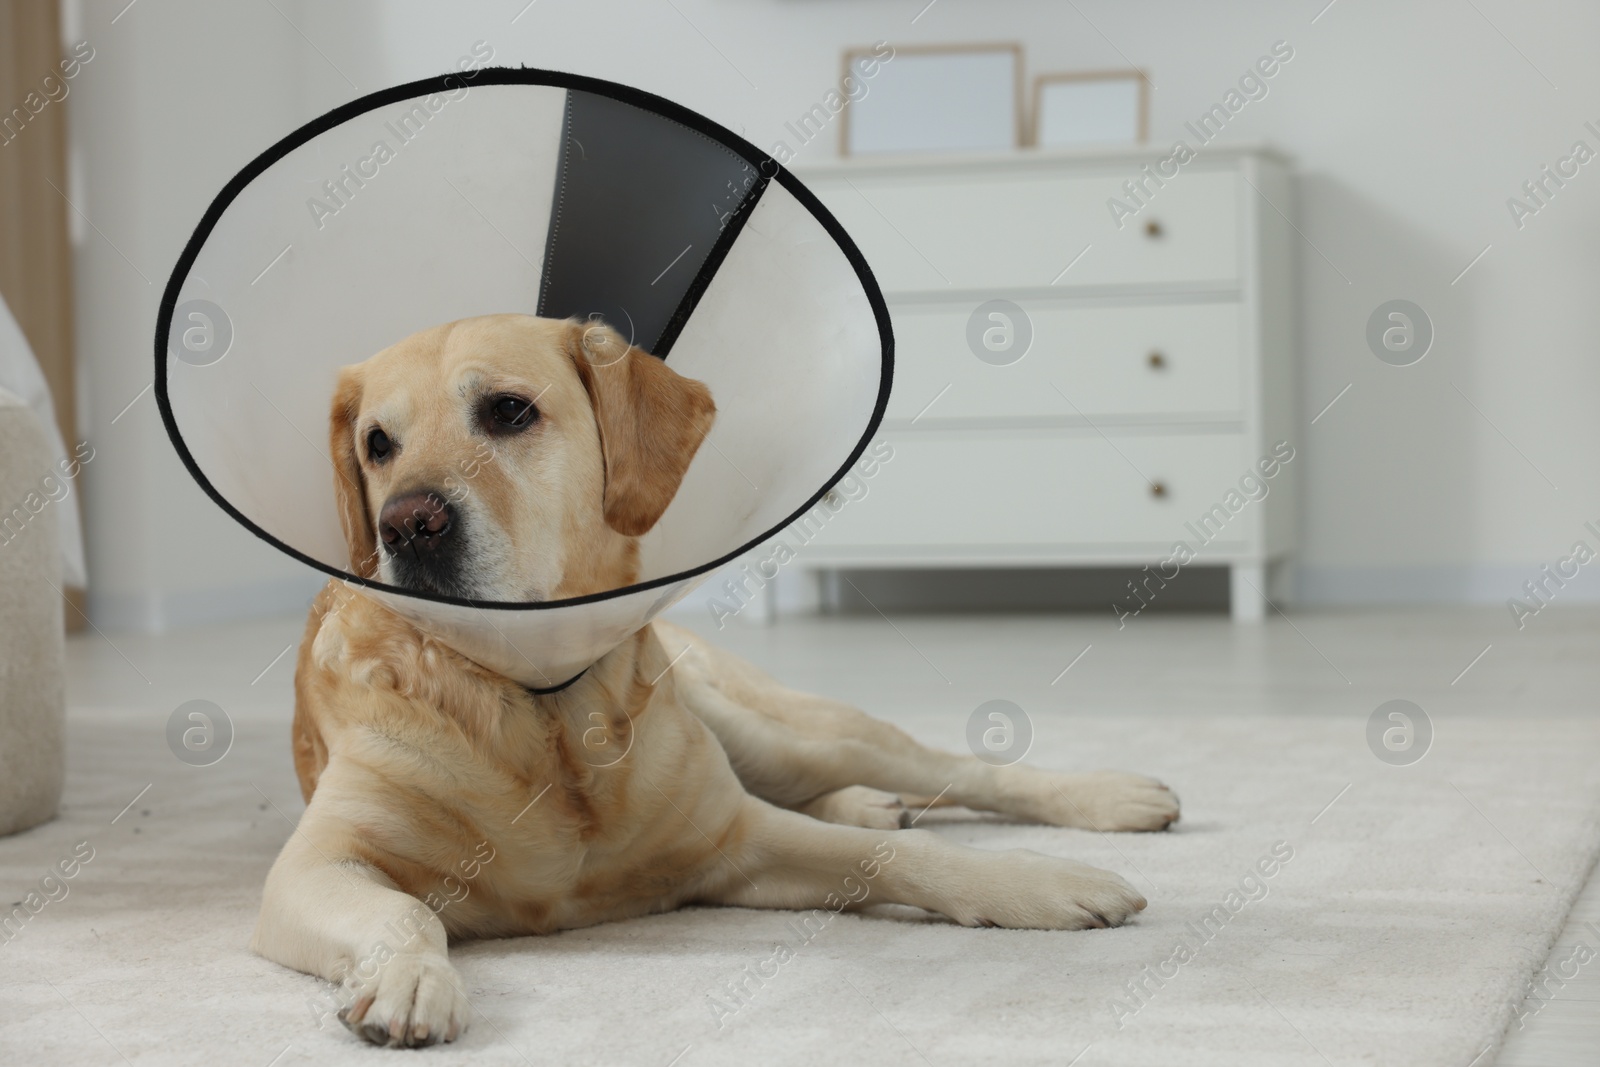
(446, 801)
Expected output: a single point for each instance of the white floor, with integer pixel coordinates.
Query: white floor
(1454, 665)
(1328, 662)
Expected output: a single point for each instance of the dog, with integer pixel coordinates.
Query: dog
(446, 801)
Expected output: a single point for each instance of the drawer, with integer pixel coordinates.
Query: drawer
(1045, 493)
(1167, 360)
(1020, 229)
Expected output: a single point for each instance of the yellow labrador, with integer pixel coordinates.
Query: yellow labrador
(447, 801)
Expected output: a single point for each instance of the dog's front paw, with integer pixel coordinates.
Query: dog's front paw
(1030, 891)
(1108, 800)
(414, 1000)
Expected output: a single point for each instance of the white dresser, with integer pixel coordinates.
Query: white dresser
(1155, 391)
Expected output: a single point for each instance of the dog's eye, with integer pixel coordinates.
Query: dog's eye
(378, 445)
(509, 414)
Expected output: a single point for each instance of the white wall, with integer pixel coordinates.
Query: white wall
(1412, 124)
(177, 97)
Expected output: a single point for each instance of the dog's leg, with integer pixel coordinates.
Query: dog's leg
(786, 860)
(793, 748)
(327, 913)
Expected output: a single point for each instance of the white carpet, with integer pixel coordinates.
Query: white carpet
(1402, 931)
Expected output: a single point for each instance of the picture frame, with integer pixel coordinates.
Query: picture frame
(943, 98)
(1097, 107)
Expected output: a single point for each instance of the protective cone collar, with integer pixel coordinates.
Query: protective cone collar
(533, 191)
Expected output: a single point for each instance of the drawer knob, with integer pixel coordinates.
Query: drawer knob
(1157, 361)
(1158, 489)
(1152, 229)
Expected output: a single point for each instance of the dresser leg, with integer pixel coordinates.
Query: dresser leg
(764, 605)
(1247, 588)
(827, 588)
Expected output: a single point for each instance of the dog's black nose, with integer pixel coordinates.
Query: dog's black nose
(420, 522)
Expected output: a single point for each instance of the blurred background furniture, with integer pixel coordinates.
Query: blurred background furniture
(36, 266)
(1142, 371)
(32, 693)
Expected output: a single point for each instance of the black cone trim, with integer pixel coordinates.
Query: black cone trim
(765, 166)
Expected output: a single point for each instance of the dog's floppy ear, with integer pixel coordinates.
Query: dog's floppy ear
(651, 418)
(349, 484)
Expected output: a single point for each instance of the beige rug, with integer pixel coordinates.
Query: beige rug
(1401, 929)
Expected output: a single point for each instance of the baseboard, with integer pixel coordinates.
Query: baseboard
(1319, 586)
(735, 594)
(1309, 586)
(158, 611)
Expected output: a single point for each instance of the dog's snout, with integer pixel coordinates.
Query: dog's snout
(419, 521)
(426, 542)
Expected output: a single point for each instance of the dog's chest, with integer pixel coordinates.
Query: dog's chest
(565, 821)
(508, 814)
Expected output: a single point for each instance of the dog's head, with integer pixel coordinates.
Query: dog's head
(509, 457)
